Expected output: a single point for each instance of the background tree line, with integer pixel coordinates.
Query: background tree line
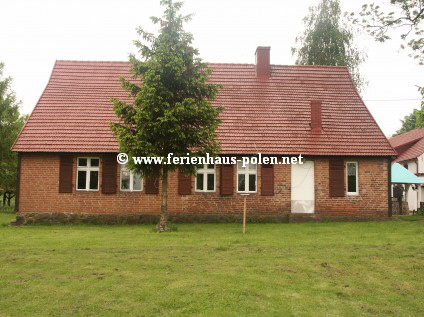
(11, 122)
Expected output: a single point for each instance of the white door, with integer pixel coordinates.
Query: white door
(302, 188)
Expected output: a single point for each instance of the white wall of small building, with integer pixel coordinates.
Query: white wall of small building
(415, 196)
(412, 166)
(420, 160)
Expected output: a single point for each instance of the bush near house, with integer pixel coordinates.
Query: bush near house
(310, 269)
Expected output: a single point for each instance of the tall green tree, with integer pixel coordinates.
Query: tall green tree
(11, 123)
(415, 120)
(329, 40)
(405, 16)
(172, 110)
(409, 123)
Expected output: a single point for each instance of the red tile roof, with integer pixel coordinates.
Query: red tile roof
(407, 137)
(408, 145)
(261, 116)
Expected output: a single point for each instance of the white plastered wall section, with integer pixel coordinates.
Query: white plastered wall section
(414, 194)
(303, 188)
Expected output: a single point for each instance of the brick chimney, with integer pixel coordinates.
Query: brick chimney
(262, 65)
(316, 117)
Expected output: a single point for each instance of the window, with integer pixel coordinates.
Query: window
(130, 181)
(352, 178)
(246, 178)
(205, 178)
(88, 173)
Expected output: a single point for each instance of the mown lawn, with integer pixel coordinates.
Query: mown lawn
(315, 269)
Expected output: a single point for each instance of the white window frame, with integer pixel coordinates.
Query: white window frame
(88, 169)
(205, 171)
(247, 171)
(124, 168)
(357, 179)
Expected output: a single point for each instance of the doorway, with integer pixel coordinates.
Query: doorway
(303, 188)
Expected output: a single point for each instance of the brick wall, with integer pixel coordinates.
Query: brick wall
(372, 201)
(40, 182)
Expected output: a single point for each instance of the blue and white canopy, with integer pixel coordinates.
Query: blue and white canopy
(401, 175)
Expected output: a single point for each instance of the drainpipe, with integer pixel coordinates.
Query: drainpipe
(389, 187)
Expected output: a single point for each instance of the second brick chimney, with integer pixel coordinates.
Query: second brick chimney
(262, 64)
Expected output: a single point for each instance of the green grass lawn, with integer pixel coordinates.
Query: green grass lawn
(311, 269)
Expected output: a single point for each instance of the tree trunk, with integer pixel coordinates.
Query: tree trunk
(163, 223)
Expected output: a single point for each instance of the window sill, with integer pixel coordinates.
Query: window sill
(247, 193)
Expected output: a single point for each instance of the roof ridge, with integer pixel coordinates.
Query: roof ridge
(88, 61)
(407, 133)
(210, 63)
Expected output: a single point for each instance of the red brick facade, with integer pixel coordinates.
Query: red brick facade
(39, 192)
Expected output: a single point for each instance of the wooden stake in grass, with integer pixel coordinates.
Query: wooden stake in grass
(244, 212)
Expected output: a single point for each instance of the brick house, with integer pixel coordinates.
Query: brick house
(67, 153)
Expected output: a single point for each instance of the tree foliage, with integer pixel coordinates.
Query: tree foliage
(405, 15)
(11, 123)
(329, 40)
(409, 123)
(420, 114)
(414, 120)
(172, 110)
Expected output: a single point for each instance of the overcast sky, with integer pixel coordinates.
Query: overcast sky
(33, 34)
